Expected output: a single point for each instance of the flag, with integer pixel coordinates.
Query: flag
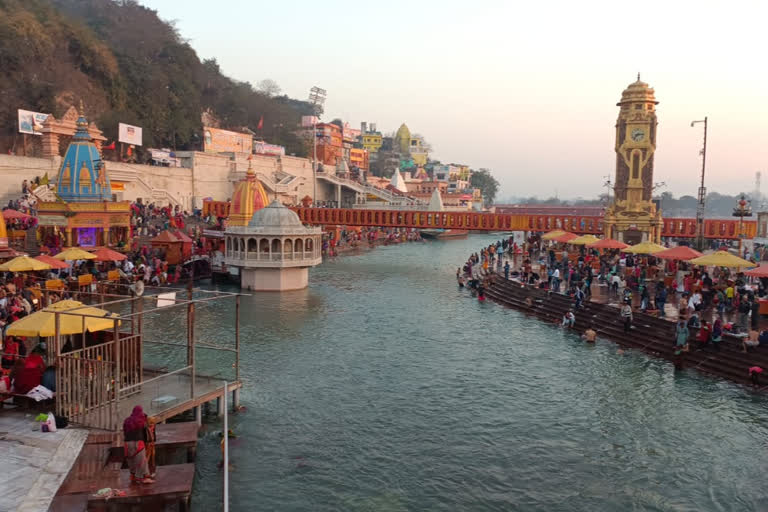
(261, 123)
(111, 146)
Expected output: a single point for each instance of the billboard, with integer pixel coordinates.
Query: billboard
(31, 122)
(308, 121)
(224, 141)
(262, 148)
(129, 134)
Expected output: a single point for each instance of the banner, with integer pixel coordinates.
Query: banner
(308, 121)
(262, 148)
(31, 122)
(224, 141)
(129, 134)
(166, 299)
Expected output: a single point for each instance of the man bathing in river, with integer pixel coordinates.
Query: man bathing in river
(590, 335)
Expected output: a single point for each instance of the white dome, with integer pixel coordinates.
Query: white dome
(275, 215)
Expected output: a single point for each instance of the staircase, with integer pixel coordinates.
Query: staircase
(364, 188)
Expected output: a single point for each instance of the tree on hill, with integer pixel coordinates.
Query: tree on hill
(488, 185)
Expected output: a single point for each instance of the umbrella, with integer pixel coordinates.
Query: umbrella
(566, 237)
(761, 271)
(10, 214)
(552, 234)
(43, 323)
(722, 259)
(645, 248)
(74, 253)
(678, 253)
(23, 264)
(105, 254)
(584, 240)
(608, 243)
(53, 262)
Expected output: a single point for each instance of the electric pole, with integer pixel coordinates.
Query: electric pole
(702, 190)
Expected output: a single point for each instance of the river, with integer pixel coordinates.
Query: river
(383, 387)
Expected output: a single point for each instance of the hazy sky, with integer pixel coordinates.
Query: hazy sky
(527, 89)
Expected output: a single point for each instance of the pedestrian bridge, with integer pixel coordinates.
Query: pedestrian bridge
(476, 221)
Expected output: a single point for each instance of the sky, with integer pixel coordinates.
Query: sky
(526, 89)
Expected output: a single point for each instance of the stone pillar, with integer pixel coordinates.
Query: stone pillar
(50, 142)
(68, 237)
(338, 196)
(105, 239)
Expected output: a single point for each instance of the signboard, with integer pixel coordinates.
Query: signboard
(129, 134)
(308, 121)
(262, 148)
(224, 141)
(31, 122)
(52, 220)
(165, 157)
(117, 185)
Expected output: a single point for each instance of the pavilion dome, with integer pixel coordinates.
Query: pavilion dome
(276, 215)
(638, 92)
(83, 174)
(248, 197)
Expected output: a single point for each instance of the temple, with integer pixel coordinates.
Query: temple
(84, 208)
(633, 216)
(248, 197)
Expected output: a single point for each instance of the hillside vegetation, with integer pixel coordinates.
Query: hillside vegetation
(127, 65)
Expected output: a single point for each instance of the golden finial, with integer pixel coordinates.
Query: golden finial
(82, 108)
(638, 76)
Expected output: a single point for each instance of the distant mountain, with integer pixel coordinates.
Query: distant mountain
(126, 65)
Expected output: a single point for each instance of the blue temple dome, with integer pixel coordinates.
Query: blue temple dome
(83, 174)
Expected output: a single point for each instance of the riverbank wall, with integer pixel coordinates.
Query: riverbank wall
(652, 335)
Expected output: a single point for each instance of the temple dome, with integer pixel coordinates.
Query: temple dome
(276, 215)
(83, 175)
(248, 197)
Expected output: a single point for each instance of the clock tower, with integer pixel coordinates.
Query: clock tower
(633, 217)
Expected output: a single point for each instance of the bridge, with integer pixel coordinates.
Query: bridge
(476, 221)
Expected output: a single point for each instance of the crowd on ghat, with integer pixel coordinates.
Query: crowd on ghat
(334, 242)
(717, 302)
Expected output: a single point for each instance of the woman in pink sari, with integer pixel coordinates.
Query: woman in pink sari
(135, 429)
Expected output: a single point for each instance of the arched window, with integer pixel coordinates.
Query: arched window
(276, 247)
(264, 246)
(252, 245)
(308, 245)
(288, 246)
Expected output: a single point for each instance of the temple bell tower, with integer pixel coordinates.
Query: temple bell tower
(633, 217)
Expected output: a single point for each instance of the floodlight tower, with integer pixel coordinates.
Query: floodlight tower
(316, 98)
(702, 190)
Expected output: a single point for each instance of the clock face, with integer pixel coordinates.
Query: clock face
(637, 134)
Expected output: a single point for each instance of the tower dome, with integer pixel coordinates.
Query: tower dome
(638, 92)
(276, 215)
(83, 175)
(248, 197)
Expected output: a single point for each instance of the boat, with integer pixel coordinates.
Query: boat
(444, 233)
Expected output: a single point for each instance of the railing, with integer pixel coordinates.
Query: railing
(277, 256)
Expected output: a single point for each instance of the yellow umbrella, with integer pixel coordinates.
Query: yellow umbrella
(552, 234)
(75, 253)
(721, 259)
(23, 264)
(645, 248)
(43, 323)
(584, 240)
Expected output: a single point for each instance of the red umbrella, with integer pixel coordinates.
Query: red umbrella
(565, 237)
(10, 214)
(608, 243)
(104, 254)
(681, 252)
(761, 271)
(53, 262)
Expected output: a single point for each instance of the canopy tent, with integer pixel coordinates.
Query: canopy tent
(608, 243)
(23, 264)
(43, 322)
(761, 271)
(11, 214)
(53, 262)
(106, 254)
(682, 252)
(584, 240)
(74, 253)
(566, 237)
(722, 259)
(552, 234)
(645, 248)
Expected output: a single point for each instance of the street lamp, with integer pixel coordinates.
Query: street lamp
(316, 98)
(702, 189)
(743, 209)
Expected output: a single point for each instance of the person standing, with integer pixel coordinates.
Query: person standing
(661, 299)
(626, 316)
(681, 335)
(136, 439)
(506, 270)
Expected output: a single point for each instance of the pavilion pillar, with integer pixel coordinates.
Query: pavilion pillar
(105, 240)
(68, 237)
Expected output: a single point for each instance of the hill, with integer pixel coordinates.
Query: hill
(127, 65)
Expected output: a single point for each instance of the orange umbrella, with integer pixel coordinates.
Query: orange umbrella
(608, 243)
(53, 262)
(682, 252)
(761, 271)
(104, 254)
(565, 237)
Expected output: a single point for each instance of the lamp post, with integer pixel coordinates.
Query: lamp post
(316, 98)
(743, 209)
(702, 189)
